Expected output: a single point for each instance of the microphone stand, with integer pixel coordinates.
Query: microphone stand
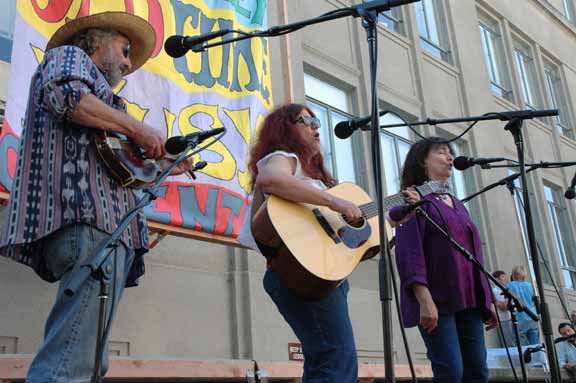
(515, 304)
(514, 126)
(512, 177)
(97, 267)
(385, 283)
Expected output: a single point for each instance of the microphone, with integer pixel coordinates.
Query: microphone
(527, 354)
(175, 145)
(344, 129)
(177, 46)
(463, 162)
(400, 212)
(570, 192)
(526, 114)
(384, 5)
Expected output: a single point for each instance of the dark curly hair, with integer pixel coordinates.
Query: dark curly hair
(90, 39)
(414, 172)
(280, 132)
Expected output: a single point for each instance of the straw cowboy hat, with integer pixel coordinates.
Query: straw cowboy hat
(140, 33)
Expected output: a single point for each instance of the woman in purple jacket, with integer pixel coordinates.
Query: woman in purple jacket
(442, 293)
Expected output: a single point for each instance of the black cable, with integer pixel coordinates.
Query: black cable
(448, 141)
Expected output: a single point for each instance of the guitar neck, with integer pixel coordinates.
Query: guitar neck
(370, 209)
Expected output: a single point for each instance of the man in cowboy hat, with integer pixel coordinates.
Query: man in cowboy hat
(63, 201)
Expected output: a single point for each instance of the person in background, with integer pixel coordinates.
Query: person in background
(501, 304)
(528, 328)
(567, 349)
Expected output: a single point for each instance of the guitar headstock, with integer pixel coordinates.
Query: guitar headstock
(432, 187)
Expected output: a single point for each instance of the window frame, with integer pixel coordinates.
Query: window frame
(569, 10)
(556, 96)
(327, 132)
(397, 140)
(393, 20)
(563, 244)
(7, 32)
(493, 46)
(527, 71)
(437, 24)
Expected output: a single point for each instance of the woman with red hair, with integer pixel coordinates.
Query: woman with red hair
(286, 160)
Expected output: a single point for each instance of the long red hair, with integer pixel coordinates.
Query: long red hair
(280, 132)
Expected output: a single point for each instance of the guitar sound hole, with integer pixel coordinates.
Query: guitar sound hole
(356, 223)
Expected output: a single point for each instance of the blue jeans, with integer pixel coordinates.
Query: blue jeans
(324, 329)
(68, 352)
(529, 333)
(456, 348)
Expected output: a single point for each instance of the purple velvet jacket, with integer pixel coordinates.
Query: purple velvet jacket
(425, 257)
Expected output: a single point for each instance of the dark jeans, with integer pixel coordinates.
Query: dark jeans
(324, 329)
(456, 348)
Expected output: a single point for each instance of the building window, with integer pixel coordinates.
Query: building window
(527, 75)
(562, 239)
(495, 58)
(393, 20)
(558, 98)
(570, 10)
(458, 179)
(519, 202)
(7, 18)
(394, 144)
(332, 105)
(432, 28)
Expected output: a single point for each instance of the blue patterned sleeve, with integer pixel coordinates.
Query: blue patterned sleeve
(66, 75)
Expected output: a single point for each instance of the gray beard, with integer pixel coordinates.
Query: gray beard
(112, 72)
(113, 77)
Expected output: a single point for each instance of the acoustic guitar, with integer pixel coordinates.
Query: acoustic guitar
(312, 248)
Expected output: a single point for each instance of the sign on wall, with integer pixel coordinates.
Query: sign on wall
(228, 86)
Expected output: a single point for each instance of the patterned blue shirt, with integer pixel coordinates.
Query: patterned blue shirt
(60, 179)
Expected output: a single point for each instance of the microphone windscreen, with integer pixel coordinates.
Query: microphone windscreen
(175, 145)
(343, 129)
(461, 163)
(174, 46)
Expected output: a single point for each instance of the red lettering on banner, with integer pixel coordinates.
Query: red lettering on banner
(170, 204)
(84, 9)
(222, 216)
(11, 153)
(129, 6)
(54, 11)
(155, 18)
(11, 161)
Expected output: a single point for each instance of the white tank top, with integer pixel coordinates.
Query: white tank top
(245, 236)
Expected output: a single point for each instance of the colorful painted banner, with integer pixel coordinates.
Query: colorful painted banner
(228, 86)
